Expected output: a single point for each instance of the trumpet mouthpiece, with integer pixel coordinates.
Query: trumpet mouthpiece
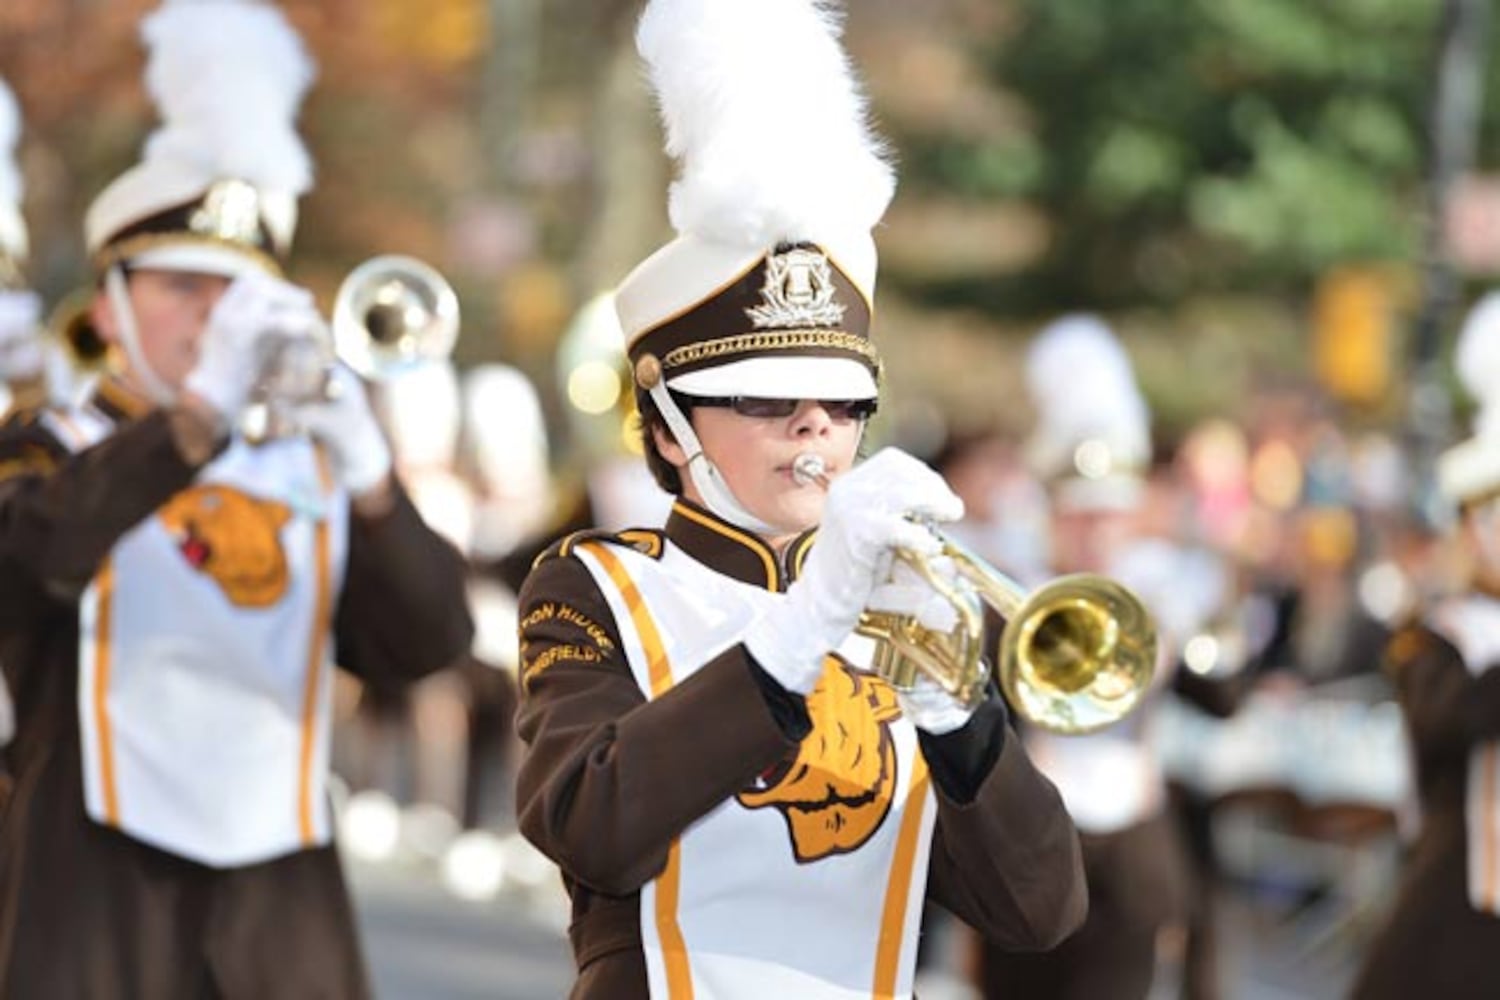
(809, 469)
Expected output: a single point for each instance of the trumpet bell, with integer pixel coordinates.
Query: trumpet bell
(1078, 654)
(391, 313)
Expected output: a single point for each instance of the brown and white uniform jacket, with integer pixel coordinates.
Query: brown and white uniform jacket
(721, 837)
(1440, 941)
(169, 634)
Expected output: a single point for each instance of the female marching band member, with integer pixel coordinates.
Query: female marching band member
(738, 806)
(173, 599)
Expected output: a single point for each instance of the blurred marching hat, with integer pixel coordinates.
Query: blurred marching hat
(502, 415)
(216, 191)
(1470, 471)
(13, 242)
(422, 410)
(767, 289)
(1092, 441)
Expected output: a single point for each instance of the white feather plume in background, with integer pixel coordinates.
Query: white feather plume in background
(10, 137)
(1083, 387)
(764, 115)
(1476, 358)
(14, 240)
(228, 77)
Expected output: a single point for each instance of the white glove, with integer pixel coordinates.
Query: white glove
(347, 427)
(20, 341)
(905, 592)
(864, 519)
(931, 709)
(230, 353)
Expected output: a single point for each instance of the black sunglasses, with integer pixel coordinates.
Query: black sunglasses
(764, 409)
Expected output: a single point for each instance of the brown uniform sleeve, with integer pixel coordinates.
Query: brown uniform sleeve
(1448, 709)
(609, 779)
(1008, 862)
(61, 513)
(404, 612)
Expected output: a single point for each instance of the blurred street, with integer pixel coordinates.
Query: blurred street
(423, 943)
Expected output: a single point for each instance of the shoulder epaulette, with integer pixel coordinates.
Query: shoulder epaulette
(645, 541)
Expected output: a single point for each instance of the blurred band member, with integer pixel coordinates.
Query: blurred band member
(739, 807)
(1092, 447)
(173, 599)
(1443, 932)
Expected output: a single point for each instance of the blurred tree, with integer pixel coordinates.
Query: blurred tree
(1183, 148)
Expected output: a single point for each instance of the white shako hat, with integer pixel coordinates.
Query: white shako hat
(1469, 472)
(1092, 441)
(216, 191)
(767, 289)
(14, 246)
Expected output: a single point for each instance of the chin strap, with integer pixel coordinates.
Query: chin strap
(119, 301)
(717, 496)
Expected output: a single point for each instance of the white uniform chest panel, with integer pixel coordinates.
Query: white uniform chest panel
(205, 662)
(830, 845)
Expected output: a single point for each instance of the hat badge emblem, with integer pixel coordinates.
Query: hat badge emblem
(799, 291)
(230, 212)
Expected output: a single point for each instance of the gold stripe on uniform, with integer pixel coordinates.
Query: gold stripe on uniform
(673, 948)
(658, 670)
(104, 585)
(898, 890)
(321, 623)
(749, 541)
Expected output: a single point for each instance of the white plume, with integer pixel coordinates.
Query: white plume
(764, 115)
(228, 77)
(1476, 358)
(1083, 386)
(10, 137)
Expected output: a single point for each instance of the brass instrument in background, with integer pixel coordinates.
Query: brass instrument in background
(594, 377)
(391, 313)
(1076, 654)
(70, 328)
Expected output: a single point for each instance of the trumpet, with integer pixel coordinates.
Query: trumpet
(391, 313)
(1075, 655)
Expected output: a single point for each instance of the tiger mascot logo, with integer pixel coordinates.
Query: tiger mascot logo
(837, 790)
(234, 538)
